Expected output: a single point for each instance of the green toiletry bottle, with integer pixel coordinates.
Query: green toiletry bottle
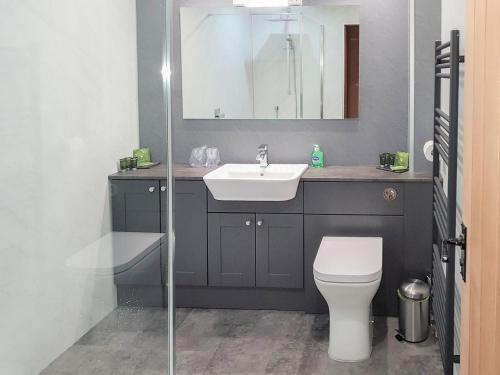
(317, 160)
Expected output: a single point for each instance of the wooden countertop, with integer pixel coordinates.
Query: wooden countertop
(331, 173)
(362, 173)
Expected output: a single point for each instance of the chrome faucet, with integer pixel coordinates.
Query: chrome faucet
(263, 156)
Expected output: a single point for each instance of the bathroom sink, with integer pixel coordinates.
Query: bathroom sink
(250, 182)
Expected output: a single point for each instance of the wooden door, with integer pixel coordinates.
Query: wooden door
(351, 69)
(480, 341)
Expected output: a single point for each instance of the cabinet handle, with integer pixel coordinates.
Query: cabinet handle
(163, 188)
(259, 223)
(151, 189)
(248, 223)
(390, 194)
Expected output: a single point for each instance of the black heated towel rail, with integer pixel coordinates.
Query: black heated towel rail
(447, 61)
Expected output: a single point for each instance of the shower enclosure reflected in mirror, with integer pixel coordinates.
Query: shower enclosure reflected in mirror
(270, 63)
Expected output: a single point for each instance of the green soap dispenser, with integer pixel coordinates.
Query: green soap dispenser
(317, 159)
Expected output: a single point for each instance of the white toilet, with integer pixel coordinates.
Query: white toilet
(347, 272)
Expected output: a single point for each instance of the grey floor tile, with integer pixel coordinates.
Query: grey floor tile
(127, 341)
(236, 342)
(285, 356)
(124, 319)
(70, 361)
(150, 340)
(152, 360)
(193, 362)
(158, 321)
(91, 360)
(181, 315)
(107, 339)
(240, 356)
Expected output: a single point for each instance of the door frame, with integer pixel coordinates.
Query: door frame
(347, 69)
(480, 331)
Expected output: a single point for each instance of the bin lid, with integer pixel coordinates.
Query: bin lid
(415, 289)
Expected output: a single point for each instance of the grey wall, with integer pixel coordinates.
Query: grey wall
(427, 29)
(152, 112)
(383, 122)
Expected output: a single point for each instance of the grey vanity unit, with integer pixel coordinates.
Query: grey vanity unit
(259, 255)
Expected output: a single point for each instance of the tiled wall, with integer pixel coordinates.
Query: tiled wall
(68, 111)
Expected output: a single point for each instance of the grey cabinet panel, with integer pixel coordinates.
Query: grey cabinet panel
(352, 198)
(279, 251)
(136, 205)
(231, 250)
(164, 205)
(390, 228)
(293, 206)
(191, 233)
(239, 298)
(418, 230)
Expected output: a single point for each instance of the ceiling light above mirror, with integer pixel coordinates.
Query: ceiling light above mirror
(266, 3)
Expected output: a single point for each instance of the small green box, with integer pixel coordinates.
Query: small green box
(143, 156)
(402, 159)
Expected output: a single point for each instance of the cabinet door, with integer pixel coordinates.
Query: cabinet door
(390, 228)
(231, 250)
(136, 205)
(279, 251)
(190, 233)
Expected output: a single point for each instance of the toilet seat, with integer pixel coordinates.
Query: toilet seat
(349, 260)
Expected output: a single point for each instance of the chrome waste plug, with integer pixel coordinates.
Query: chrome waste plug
(414, 310)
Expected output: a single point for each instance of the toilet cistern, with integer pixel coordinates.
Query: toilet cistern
(262, 156)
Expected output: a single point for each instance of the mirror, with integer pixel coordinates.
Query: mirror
(270, 63)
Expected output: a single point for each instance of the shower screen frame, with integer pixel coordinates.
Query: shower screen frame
(166, 73)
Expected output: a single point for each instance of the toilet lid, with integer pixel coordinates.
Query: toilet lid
(115, 252)
(349, 259)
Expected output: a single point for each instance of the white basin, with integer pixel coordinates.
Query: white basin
(250, 182)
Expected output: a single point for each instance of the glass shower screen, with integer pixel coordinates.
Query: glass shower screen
(85, 248)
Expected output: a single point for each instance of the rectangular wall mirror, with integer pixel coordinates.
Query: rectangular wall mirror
(270, 63)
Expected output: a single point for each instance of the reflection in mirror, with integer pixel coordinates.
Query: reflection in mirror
(270, 63)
